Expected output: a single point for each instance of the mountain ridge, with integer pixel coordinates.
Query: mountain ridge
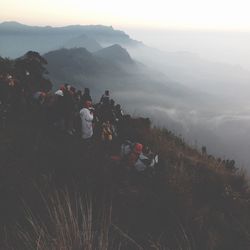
(116, 53)
(46, 38)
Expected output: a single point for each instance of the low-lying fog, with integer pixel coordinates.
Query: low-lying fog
(216, 66)
(222, 46)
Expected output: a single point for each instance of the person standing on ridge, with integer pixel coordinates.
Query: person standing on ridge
(86, 96)
(87, 117)
(105, 99)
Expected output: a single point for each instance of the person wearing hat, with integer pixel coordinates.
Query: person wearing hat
(134, 154)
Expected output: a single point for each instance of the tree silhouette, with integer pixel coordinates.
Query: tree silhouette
(30, 70)
(6, 66)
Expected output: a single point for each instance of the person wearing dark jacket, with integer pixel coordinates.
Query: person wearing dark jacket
(105, 99)
(86, 96)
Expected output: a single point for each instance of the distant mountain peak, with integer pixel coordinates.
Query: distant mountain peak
(83, 41)
(115, 53)
(116, 46)
(70, 51)
(11, 23)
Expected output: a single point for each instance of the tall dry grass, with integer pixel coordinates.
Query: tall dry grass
(72, 222)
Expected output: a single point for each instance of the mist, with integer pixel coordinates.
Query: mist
(195, 83)
(216, 66)
(221, 46)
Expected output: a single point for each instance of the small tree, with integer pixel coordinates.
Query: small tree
(30, 70)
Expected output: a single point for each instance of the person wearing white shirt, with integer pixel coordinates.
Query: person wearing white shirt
(87, 120)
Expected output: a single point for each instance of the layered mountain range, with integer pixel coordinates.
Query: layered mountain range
(45, 39)
(205, 101)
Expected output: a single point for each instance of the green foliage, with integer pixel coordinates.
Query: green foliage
(30, 70)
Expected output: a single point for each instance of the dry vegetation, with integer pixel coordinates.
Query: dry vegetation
(187, 202)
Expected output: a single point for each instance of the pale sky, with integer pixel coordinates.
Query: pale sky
(173, 14)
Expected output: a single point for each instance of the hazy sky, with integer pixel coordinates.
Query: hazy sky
(181, 14)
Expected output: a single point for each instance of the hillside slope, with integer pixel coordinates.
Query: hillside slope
(115, 69)
(115, 53)
(188, 200)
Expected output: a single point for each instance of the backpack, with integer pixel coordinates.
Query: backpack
(106, 132)
(144, 162)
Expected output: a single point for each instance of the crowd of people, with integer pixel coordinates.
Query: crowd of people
(73, 112)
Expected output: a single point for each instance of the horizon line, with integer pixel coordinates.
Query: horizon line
(129, 27)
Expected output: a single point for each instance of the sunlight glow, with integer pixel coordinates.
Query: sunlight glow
(180, 14)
